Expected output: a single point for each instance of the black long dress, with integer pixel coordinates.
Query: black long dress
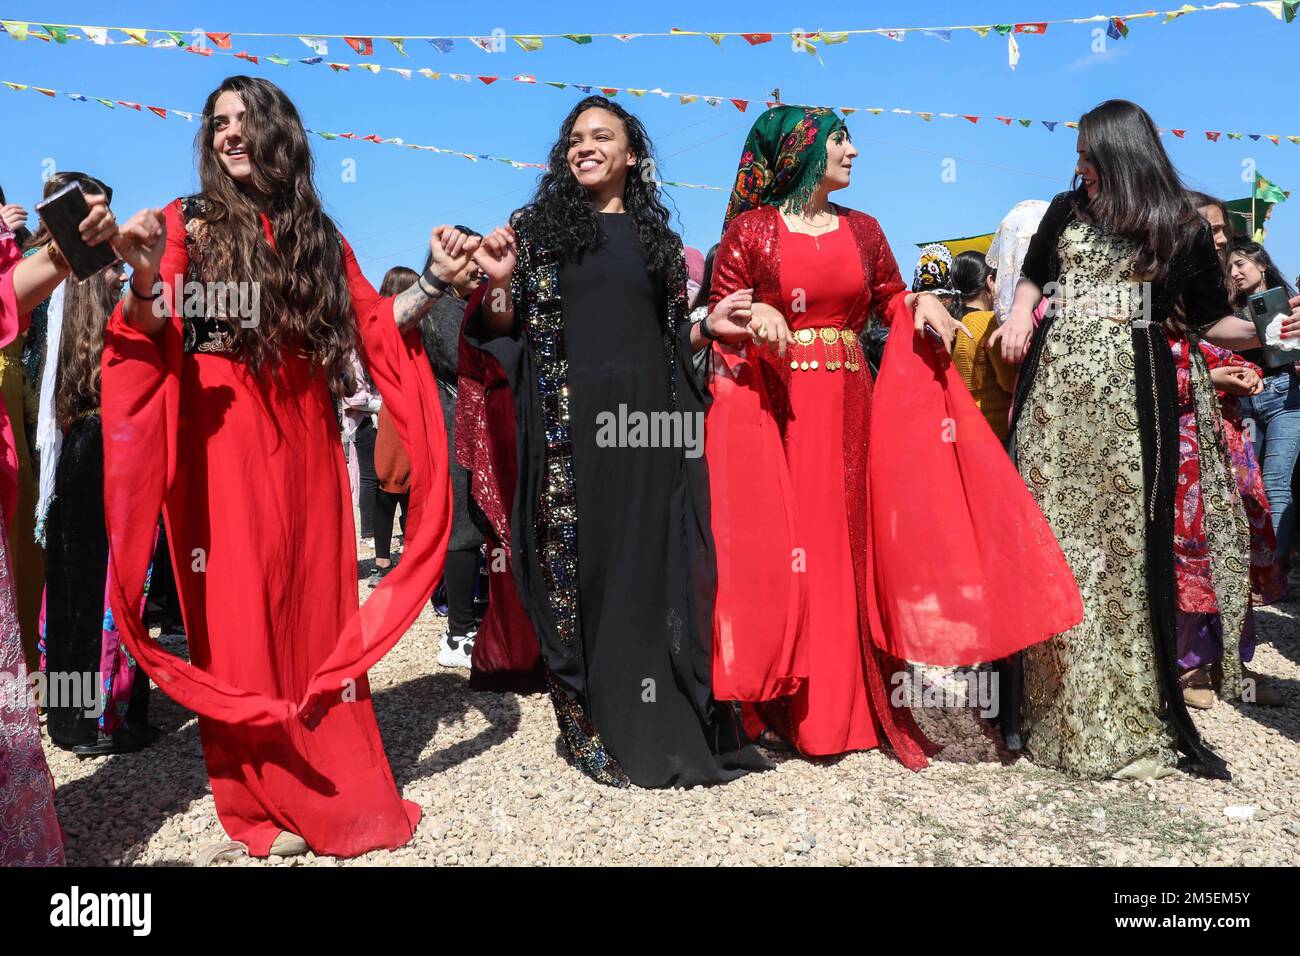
(637, 684)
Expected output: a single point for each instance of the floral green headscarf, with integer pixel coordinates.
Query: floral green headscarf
(784, 159)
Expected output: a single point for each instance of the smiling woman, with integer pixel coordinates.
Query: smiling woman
(229, 426)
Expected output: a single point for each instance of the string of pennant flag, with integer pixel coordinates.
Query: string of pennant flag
(165, 112)
(1117, 25)
(740, 103)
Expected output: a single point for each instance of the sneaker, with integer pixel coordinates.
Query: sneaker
(456, 651)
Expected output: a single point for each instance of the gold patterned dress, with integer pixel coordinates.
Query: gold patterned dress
(1092, 694)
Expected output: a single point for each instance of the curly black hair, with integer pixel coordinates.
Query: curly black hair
(560, 214)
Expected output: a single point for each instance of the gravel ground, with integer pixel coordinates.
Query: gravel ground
(487, 772)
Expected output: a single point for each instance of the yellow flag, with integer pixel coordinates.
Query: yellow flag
(531, 44)
(16, 30)
(139, 36)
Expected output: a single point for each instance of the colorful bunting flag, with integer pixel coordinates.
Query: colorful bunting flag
(740, 104)
(363, 45)
(318, 46)
(96, 35)
(442, 44)
(17, 30)
(222, 40)
(529, 44)
(489, 80)
(1180, 133)
(1031, 28)
(137, 37)
(399, 44)
(582, 39)
(278, 60)
(58, 34)
(158, 111)
(1212, 135)
(1116, 29)
(754, 39)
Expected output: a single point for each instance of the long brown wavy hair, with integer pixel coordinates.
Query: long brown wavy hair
(86, 308)
(304, 303)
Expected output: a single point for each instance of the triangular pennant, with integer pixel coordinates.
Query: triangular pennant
(926, 116)
(188, 117)
(896, 35)
(1013, 52)
(741, 105)
(486, 44)
(278, 60)
(157, 111)
(372, 138)
(529, 44)
(1025, 123)
(944, 35)
(982, 31)
(1275, 140)
(96, 35)
(200, 50)
(713, 100)
(1072, 125)
(1051, 125)
(1175, 14)
(556, 83)
(109, 103)
(847, 110)
(222, 40)
(1254, 136)
(754, 39)
(442, 44)
(1289, 8)
(399, 44)
(50, 93)
(1004, 119)
(874, 111)
(973, 119)
(1212, 135)
(609, 90)
(1180, 133)
(624, 37)
(176, 37)
(582, 89)
(77, 96)
(716, 38)
(318, 46)
(129, 105)
(326, 135)
(16, 29)
(363, 45)
(339, 67)
(1272, 6)
(801, 42)
(489, 80)
(1116, 29)
(636, 92)
(425, 71)
(404, 74)
(831, 38)
(687, 98)
(524, 78)
(1234, 136)
(137, 37)
(372, 67)
(1003, 28)
(241, 55)
(312, 60)
(582, 39)
(1294, 139)
(1031, 27)
(58, 34)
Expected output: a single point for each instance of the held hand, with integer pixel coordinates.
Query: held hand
(13, 216)
(451, 250)
(1013, 336)
(768, 326)
(99, 225)
(496, 255)
(141, 241)
(730, 318)
(929, 312)
(1236, 380)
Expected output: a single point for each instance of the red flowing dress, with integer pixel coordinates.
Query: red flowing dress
(250, 475)
(836, 566)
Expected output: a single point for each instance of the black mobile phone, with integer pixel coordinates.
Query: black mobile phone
(1264, 308)
(62, 215)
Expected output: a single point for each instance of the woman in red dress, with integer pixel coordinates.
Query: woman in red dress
(835, 566)
(218, 372)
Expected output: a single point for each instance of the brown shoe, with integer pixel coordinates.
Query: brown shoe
(1198, 691)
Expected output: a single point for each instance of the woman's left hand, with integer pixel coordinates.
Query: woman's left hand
(768, 325)
(927, 310)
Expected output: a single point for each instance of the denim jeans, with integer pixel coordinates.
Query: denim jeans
(1276, 411)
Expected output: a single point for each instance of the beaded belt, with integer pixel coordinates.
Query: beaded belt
(838, 348)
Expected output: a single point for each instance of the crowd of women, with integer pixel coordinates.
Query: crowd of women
(1060, 462)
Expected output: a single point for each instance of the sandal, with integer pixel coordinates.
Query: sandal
(769, 739)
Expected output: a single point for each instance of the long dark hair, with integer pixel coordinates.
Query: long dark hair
(397, 280)
(1141, 196)
(969, 277)
(1201, 201)
(89, 185)
(1273, 278)
(304, 300)
(561, 216)
(86, 308)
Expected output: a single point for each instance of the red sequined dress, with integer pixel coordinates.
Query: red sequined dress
(835, 567)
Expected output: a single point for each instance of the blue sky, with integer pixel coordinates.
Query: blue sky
(1216, 70)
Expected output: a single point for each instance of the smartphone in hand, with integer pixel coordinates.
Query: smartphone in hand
(62, 215)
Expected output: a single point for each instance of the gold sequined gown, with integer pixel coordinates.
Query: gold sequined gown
(1092, 694)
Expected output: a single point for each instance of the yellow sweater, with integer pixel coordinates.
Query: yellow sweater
(991, 381)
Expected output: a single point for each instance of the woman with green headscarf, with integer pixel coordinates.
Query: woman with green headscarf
(835, 566)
